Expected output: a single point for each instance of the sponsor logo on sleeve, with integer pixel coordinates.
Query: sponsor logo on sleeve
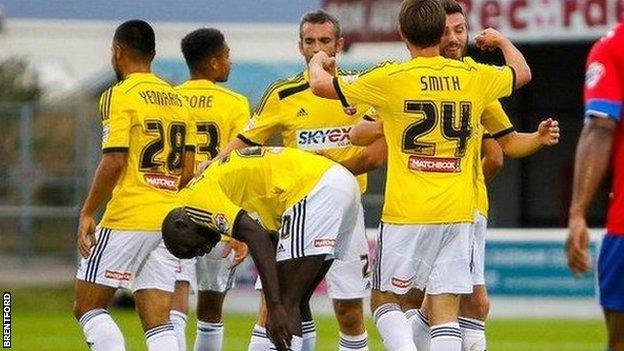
(221, 223)
(434, 164)
(105, 133)
(595, 72)
(324, 138)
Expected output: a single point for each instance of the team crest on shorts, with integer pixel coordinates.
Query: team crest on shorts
(221, 223)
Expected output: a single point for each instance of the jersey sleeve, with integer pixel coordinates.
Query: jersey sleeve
(116, 111)
(495, 81)
(603, 87)
(368, 87)
(496, 121)
(240, 117)
(212, 208)
(264, 120)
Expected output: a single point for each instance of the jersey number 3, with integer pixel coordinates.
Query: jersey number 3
(453, 128)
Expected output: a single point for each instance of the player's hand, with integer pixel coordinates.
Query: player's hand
(577, 246)
(328, 63)
(277, 327)
(490, 39)
(241, 250)
(548, 131)
(86, 235)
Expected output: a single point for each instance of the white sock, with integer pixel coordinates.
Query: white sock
(162, 338)
(178, 319)
(101, 332)
(209, 336)
(394, 328)
(353, 342)
(259, 340)
(446, 337)
(473, 334)
(296, 344)
(420, 329)
(308, 330)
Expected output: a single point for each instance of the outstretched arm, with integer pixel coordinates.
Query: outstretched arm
(519, 145)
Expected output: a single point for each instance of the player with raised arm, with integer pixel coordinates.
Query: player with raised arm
(474, 308)
(147, 152)
(599, 146)
(314, 202)
(219, 115)
(310, 123)
(431, 108)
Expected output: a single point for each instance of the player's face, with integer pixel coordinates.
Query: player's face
(195, 245)
(316, 37)
(224, 65)
(455, 38)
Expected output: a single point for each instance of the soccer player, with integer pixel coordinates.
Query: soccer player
(219, 115)
(313, 200)
(310, 123)
(431, 108)
(474, 308)
(147, 152)
(599, 145)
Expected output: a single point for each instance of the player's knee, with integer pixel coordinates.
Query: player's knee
(475, 306)
(350, 315)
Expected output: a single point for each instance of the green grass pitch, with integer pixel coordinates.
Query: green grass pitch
(42, 320)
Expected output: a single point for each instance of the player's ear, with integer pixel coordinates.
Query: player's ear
(214, 63)
(301, 47)
(340, 44)
(400, 33)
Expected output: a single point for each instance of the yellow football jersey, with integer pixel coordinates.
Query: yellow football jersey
(493, 112)
(431, 107)
(219, 114)
(262, 180)
(306, 121)
(145, 117)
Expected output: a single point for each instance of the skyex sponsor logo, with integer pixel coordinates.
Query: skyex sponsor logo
(324, 138)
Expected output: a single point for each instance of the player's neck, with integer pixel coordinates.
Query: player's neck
(136, 68)
(430, 51)
(203, 76)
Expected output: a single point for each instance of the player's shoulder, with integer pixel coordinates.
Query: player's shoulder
(235, 97)
(380, 68)
(282, 88)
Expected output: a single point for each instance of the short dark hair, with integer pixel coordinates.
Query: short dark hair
(201, 45)
(422, 22)
(319, 17)
(138, 36)
(452, 7)
(179, 232)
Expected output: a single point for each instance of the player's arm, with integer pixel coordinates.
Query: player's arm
(491, 39)
(371, 158)
(106, 177)
(263, 253)
(517, 145)
(591, 164)
(188, 169)
(366, 132)
(321, 81)
(492, 158)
